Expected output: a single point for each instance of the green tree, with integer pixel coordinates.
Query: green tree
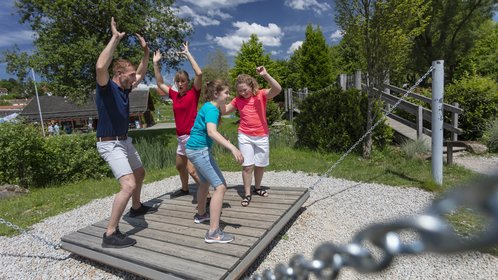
(482, 58)
(315, 61)
(381, 32)
(72, 33)
(250, 56)
(217, 67)
(451, 33)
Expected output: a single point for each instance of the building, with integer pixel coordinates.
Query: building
(58, 109)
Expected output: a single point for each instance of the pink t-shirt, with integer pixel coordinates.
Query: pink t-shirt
(184, 109)
(252, 114)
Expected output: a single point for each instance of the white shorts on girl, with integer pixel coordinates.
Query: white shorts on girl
(255, 149)
(182, 142)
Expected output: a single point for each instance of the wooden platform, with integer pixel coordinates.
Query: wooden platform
(171, 246)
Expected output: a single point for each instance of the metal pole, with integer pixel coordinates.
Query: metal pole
(38, 101)
(437, 120)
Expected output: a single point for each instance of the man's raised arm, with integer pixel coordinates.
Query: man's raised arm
(105, 57)
(142, 67)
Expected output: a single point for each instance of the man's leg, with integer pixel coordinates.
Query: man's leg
(128, 186)
(139, 175)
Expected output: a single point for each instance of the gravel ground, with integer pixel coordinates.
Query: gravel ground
(335, 211)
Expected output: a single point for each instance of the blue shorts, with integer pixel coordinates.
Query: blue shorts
(206, 167)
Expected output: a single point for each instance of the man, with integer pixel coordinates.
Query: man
(113, 144)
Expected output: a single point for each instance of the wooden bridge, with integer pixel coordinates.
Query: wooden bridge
(171, 246)
(411, 127)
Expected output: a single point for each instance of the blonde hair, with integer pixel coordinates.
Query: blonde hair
(120, 65)
(181, 73)
(213, 88)
(248, 80)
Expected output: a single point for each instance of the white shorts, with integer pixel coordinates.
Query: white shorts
(121, 156)
(182, 142)
(255, 149)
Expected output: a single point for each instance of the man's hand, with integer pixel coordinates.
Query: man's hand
(142, 41)
(115, 32)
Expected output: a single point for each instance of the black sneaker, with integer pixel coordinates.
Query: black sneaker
(117, 240)
(142, 210)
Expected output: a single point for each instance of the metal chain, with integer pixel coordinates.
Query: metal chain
(380, 120)
(434, 233)
(34, 236)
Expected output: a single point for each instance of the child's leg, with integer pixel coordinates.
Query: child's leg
(215, 206)
(258, 176)
(247, 178)
(202, 191)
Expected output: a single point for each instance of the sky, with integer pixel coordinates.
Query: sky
(279, 24)
(224, 24)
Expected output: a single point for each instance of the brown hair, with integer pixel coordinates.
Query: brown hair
(120, 65)
(248, 80)
(213, 87)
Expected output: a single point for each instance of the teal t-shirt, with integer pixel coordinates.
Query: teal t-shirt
(199, 137)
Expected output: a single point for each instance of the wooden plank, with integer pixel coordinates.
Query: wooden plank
(235, 248)
(157, 241)
(150, 260)
(267, 239)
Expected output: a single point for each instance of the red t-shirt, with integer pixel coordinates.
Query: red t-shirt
(252, 112)
(184, 109)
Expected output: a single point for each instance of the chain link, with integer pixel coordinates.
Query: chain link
(34, 236)
(380, 120)
(433, 233)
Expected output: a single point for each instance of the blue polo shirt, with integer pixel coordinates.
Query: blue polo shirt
(199, 137)
(113, 106)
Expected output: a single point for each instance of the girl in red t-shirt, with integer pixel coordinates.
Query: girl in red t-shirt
(185, 103)
(253, 128)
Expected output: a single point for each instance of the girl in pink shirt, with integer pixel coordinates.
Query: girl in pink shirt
(253, 128)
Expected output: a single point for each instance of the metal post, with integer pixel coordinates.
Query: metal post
(38, 101)
(437, 120)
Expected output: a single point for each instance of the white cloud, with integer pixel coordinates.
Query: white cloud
(337, 35)
(218, 4)
(185, 11)
(218, 13)
(314, 5)
(21, 37)
(268, 35)
(295, 28)
(296, 45)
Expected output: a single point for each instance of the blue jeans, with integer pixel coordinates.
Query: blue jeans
(206, 166)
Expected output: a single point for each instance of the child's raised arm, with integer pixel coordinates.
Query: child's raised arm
(275, 87)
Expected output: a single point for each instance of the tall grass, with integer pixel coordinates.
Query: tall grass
(155, 154)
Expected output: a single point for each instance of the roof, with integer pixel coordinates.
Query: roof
(58, 107)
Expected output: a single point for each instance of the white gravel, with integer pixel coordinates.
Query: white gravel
(335, 211)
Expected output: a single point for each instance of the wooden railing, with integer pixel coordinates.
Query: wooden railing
(392, 95)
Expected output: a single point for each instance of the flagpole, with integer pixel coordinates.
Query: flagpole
(38, 101)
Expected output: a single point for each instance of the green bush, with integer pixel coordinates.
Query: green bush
(478, 97)
(71, 158)
(415, 149)
(490, 136)
(273, 112)
(333, 120)
(29, 160)
(21, 154)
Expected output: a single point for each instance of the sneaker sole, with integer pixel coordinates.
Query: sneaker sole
(217, 241)
(104, 245)
(201, 221)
